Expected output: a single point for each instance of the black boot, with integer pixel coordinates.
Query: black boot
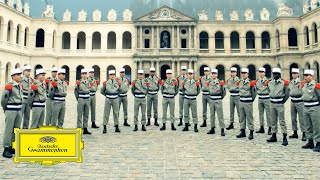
(12, 151)
(251, 135)
(242, 134)
(285, 141)
(261, 130)
(6, 153)
(309, 145)
(148, 123)
(189, 124)
(204, 124)
(143, 128)
(85, 131)
(117, 129)
(93, 125)
(230, 126)
(172, 127)
(186, 127)
(222, 132)
(212, 131)
(126, 123)
(317, 148)
(135, 128)
(273, 138)
(294, 135)
(196, 128)
(269, 131)
(303, 136)
(163, 127)
(104, 129)
(156, 122)
(180, 123)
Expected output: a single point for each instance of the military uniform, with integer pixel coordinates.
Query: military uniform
(169, 90)
(180, 79)
(263, 104)
(191, 90)
(296, 106)
(25, 84)
(311, 99)
(234, 99)
(58, 95)
(93, 90)
(139, 90)
(49, 101)
(38, 102)
(205, 98)
(11, 102)
(152, 99)
(279, 94)
(82, 94)
(247, 96)
(110, 90)
(216, 93)
(123, 99)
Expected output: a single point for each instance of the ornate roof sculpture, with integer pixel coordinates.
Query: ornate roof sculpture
(264, 15)
(203, 15)
(219, 15)
(234, 16)
(127, 15)
(26, 8)
(284, 10)
(82, 15)
(67, 15)
(112, 15)
(249, 15)
(96, 15)
(19, 5)
(48, 12)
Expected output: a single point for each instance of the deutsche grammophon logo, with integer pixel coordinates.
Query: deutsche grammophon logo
(48, 145)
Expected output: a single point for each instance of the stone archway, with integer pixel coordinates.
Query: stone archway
(78, 73)
(163, 71)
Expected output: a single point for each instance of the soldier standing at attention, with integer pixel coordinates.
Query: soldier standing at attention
(11, 102)
(279, 94)
(152, 97)
(247, 95)
(26, 84)
(234, 96)
(205, 94)
(216, 93)
(140, 90)
(110, 90)
(191, 90)
(169, 89)
(82, 94)
(93, 90)
(264, 100)
(123, 99)
(311, 99)
(38, 99)
(181, 79)
(296, 104)
(49, 107)
(58, 95)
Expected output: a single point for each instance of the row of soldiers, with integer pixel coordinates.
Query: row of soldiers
(49, 93)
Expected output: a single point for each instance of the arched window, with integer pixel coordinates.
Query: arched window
(78, 72)
(54, 39)
(221, 73)
(252, 72)
(234, 40)
(40, 38)
(112, 41)
(96, 40)
(81, 40)
(18, 34)
(268, 70)
(292, 38)
(66, 40)
(9, 31)
(203, 38)
(306, 36)
(265, 40)
(26, 36)
(219, 40)
(67, 75)
(315, 33)
(126, 40)
(250, 44)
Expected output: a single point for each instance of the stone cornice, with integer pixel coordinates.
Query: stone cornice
(3, 5)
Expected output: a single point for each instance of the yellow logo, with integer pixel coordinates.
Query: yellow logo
(48, 145)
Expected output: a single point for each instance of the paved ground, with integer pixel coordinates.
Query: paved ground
(173, 155)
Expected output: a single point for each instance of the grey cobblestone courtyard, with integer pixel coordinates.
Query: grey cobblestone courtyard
(173, 154)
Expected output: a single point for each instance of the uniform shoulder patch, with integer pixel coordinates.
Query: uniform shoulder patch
(285, 82)
(317, 86)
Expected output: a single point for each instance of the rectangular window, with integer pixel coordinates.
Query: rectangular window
(183, 43)
(146, 43)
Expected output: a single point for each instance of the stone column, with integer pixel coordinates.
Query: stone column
(158, 68)
(119, 42)
(227, 45)
(172, 37)
(300, 41)
(195, 38)
(173, 68)
(158, 37)
(13, 35)
(73, 45)
(311, 38)
(243, 45)
(178, 67)
(104, 42)
(195, 68)
(189, 39)
(211, 43)
(21, 36)
(283, 42)
(58, 43)
(152, 37)
(89, 43)
(48, 39)
(190, 64)
(4, 30)
(141, 43)
(178, 37)
(258, 44)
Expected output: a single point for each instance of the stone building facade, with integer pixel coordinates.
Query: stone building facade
(163, 38)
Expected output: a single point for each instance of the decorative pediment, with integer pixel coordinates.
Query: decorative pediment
(284, 10)
(165, 13)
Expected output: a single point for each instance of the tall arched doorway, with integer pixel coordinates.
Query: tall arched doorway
(238, 69)
(96, 71)
(252, 72)
(268, 70)
(78, 74)
(127, 72)
(221, 74)
(163, 71)
(67, 75)
(201, 70)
